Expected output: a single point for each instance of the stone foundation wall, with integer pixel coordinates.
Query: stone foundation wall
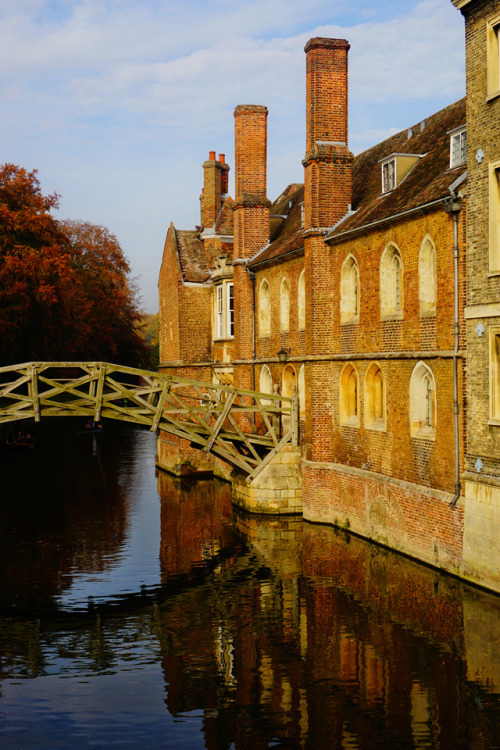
(276, 490)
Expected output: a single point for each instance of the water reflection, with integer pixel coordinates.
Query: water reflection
(209, 628)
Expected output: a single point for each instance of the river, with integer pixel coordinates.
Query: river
(137, 611)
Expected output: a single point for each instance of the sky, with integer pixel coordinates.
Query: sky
(117, 103)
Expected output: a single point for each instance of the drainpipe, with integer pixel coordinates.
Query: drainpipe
(252, 279)
(453, 206)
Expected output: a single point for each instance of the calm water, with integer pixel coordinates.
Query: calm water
(136, 612)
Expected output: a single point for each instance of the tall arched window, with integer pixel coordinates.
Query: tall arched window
(349, 291)
(427, 281)
(288, 383)
(302, 392)
(349, 411)
(284, 305)
(302, 301)
(374, 413)
(264, 309)
(266, 382)
(422, 402)
(391, 283)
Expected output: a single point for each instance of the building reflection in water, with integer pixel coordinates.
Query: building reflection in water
(266, 632)
(319, 639)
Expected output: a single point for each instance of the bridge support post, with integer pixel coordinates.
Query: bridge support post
(276, 490)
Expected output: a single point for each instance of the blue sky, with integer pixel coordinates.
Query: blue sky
(117, 103)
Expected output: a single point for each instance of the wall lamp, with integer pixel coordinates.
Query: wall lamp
(283, 354)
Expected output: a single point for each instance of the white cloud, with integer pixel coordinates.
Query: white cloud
(118, 101)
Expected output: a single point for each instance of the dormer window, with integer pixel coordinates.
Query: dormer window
(395, 168)
(389, 175)
(458, 147)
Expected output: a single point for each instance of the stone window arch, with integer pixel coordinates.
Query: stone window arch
(266, 383)
(302, 301)
(427, 278)
(349, 396)
(391, 283)
(375, 398)
(264, 308)
(422, 402)
(301, 384)
(288, 383)
(284, 305)
(349, 291)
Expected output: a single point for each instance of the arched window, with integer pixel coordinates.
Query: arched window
(374, 398)
(302, 301)
(288, 383)
(284, 305)
(266, 383)
(422, 402)
(302, 392)
(349, 412)
(391, 283)
(264, 309)
(427, 281)
(349, 291)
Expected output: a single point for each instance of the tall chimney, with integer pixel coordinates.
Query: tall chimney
(251, 218)
(214, 180)
(328, 160)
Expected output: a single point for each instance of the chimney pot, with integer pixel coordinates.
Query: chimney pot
(211, 155)
(222, 158)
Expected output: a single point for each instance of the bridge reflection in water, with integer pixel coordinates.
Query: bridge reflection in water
(245, 428)
(256, 632)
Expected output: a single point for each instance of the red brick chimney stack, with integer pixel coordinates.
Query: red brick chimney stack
(251, 220)
(327, 188)
(327, 195)
(215, 180)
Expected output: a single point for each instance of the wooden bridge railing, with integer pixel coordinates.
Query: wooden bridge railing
(244, 428)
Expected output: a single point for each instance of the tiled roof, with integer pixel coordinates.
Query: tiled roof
(192, 256)
(286, 234)
(224, 223)
(427, 181)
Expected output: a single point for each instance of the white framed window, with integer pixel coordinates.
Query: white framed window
(224, 311)
(230, 309)
(220, 311)
(494, 332)
(388, 175)
(493, 56)
(494, 216)
(458, 148)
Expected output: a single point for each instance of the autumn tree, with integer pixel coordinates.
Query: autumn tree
(40, 307)
(65, 292)
(103, 272)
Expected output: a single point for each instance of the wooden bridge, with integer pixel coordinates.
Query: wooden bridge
(244, 428)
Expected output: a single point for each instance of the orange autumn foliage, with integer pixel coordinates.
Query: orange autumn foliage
(65, 292)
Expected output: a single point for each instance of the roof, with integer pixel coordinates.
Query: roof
(286, 225)
(193, 257)
(428, 180)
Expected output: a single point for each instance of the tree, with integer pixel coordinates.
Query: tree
(38, 306)
(103, 272)
(65, 292)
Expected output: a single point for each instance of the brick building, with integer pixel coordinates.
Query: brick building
(482, 311)
(357, 278)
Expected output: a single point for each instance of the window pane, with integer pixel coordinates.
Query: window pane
(230, 309)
